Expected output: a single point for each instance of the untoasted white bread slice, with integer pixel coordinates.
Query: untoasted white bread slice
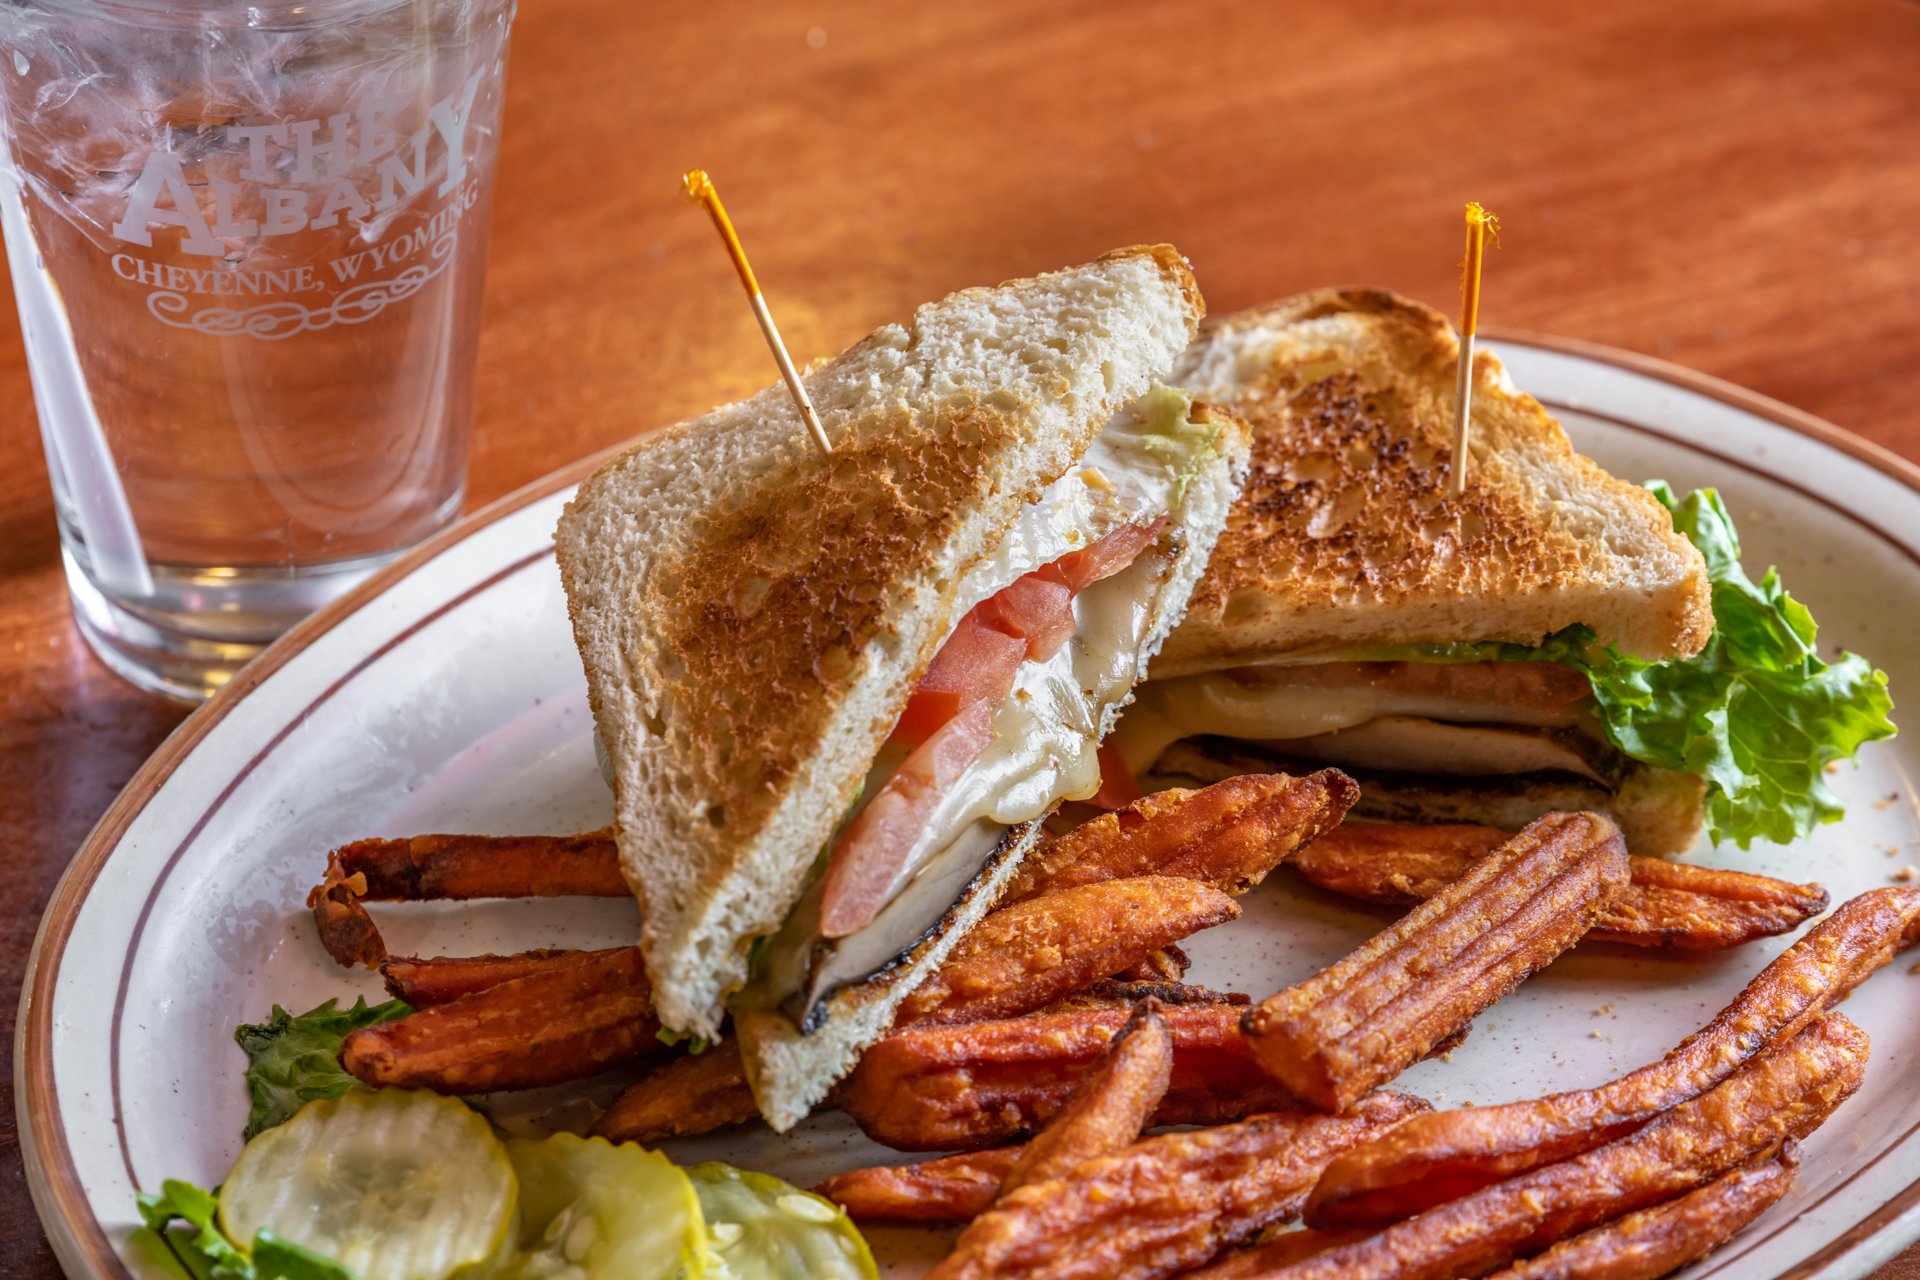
(752, 616)
(1346, 534)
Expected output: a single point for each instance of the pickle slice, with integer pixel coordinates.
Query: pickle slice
(393, 1184)
(594, 1210)
(761, 1228)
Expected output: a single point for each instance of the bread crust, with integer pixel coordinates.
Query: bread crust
(1347, 533)
(752, 616)
(791, 1070)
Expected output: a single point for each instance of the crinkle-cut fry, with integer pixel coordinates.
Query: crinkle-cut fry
(1449, 1154)
(464, 866)
(1110, 993)
(425, 981)
(1782, 1094)
(1275, 1250)
(547, 1028)
(1229, 835)
(943, 1191)
(981, 1084)
(346, 930)
(1109, 1105)
(1167, 1203)
(1027, 955)
(695, 1093)
(1364, 1020)
(1674, 905)
(1655, 1242)
(1168, 964)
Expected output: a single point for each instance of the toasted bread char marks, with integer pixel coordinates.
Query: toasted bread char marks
(752, 616)
(1346, 533)
(778, 604)
(792, 1072)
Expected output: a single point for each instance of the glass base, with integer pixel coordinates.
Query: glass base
(201, 626)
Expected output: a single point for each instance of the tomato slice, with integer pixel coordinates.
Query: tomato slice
(882, 834)
(1118, 787)
(976, 664)
(1027, 620)
(948, 720)
(1038, 609)
(1106, 557)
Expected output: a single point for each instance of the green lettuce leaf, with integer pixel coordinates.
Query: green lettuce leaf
(1756, 712)
(1173, 437)
(294, 1060)
(215, 1256)
(696, 1044)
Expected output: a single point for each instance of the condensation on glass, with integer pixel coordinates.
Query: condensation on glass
(247, 244)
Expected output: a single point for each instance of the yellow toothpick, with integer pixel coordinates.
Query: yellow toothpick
(700, 190)
(1481, 227)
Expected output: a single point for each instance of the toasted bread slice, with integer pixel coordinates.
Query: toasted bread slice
(791, 1071)
(1346, 535)
(752, 616)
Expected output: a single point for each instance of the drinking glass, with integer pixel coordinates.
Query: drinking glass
(247, 241)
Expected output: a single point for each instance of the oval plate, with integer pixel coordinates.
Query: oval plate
(445, 695)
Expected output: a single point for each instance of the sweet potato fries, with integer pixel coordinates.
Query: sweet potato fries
(1652, 1242)
(1030, 954)
(934, 1193)
(1671, 905)
(1109, 1105)
(1228, 835)
(545, 1028)
(1167, 1203)
(1782, 1094)
(462, 867)
(1062, 1021)
(1071, 931)
(1361, 1022)
(1452, 1153)
(979, 1084)
(423, 983)
(694, 1093)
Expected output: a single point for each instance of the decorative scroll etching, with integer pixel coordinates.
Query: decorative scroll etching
(276, 320)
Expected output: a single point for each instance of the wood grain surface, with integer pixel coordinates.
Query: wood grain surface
(1730, 184)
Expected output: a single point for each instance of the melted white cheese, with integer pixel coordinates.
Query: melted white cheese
(1046, 736)
(1045, 749)
(1122, 479)
(1165, 711)
(1409, 744)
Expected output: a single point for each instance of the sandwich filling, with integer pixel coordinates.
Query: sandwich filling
(1757, 714)
(1007, 719)
(1468, 719)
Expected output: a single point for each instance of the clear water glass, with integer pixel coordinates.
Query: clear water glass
(247, 242)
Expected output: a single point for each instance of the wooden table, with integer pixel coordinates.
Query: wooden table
(1730, 184)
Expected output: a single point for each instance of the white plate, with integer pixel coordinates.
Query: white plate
(446, 696)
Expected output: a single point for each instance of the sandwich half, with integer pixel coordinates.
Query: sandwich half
(1329, 627)
(838, 694)
(1553, 639)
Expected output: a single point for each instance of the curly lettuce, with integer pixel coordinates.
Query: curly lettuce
(1756, 713)
(1172, 436)
(294, 1060)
